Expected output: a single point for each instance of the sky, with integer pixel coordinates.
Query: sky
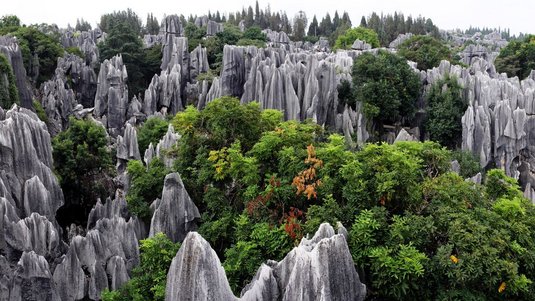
(517, 15)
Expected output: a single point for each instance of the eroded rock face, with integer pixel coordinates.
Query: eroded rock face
(361, 45)
(498, 125)
(26, 164)
(86, 41)
(175, 214)
(108, 251)
(11, 49)
(318, 269)
(31, 280)
(111, 99)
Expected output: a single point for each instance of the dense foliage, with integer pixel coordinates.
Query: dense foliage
(149, 277)
(387, 87)
(146, 184)
(445, 108)
(152, 130)
(39, 51)
(426, 51)
(417, 231)
(9, 93)
(83, 163)
(141, 63)
(347, 39)
(388, 26)
(517, 58)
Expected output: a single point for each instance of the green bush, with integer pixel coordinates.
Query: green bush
(426, 51)
(40, 111)
(151, 131)
(32, 43)
(346, 40)
(83, 162)
(517, 58)
(387, 87)
(146, 184)
(9, 93)
(446, 107)
(149, 278)
(76, 51)
(468, 162)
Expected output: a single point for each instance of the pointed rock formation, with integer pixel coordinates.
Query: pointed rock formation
(11, 49)
(175, 214)
(111, 99)
(318, 269)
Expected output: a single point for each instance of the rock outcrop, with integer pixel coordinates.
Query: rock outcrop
(86, 41)
(26, 176)
(212, 28)
(361, 45)
(400, 39)
(499, 122)
(111, 99)
(11, 49)
(196, 272)
(109, 251)
(175, 214)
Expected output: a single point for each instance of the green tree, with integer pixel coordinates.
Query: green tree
(9, 93)
(347, 39)
(126, 17)
(149, 278)
(426, 51)
(82, 25)
(35, 44)
(83, 163)
(387, 87)
(9, 21)
(446, 107)
(151, 131)
(146, 184)
(152, 26)
(517, 58)
(141, 63)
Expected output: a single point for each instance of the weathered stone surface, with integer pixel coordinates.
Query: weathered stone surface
(26, 161)
(11, 49)
(403, 135)
(324, 260)
(86, 41)
(498, 126)
(175, 214)
(400, 39)
(32, 280)
(196, 273)
(74, 82)
(198, 62)
(361, 45)
(111, 99)
(166, 143)
(127, 148)
(212, 28)
(110, 238)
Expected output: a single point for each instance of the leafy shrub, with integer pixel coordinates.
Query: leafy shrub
(426, 51)
(387, 87)
(517, 58)
(10, 95)
(146, 184)
(149, 278)
(346, 40)
(151, 131)
(83, 162)
(446, 107)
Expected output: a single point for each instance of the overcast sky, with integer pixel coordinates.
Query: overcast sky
(518, 15)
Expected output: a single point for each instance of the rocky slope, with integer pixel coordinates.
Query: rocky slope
(318, 269)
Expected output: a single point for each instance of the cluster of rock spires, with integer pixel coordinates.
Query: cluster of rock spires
(86, 41)
(318, 269)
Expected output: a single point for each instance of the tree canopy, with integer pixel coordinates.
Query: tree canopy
(347, 39)
(517, 58)
(387, 87)
(426, 51)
